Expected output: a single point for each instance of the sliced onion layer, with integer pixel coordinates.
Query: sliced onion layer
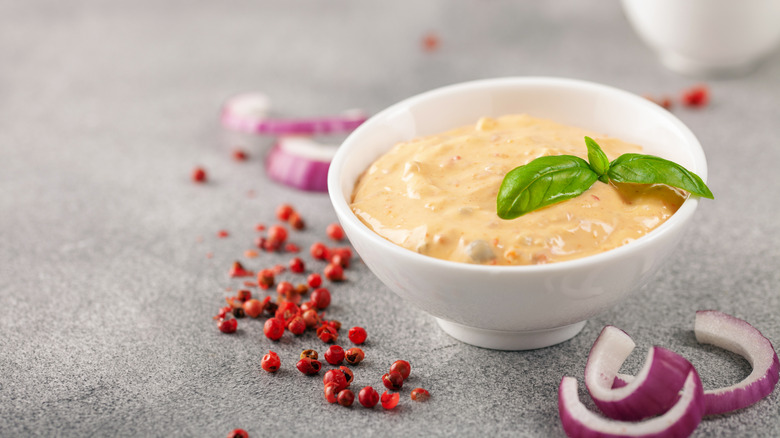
(735, 335)
(300, 162)
(679, 421)
(655, 388)
(250, 113)
(245, 111)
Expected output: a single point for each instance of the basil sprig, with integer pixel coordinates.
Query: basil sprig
(549, 180)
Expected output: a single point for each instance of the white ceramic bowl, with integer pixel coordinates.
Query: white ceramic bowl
(707, 37)
(515, 307)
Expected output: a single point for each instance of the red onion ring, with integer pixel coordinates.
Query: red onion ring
(249, 113)
(738, 336)
(655, 388)
(735, 335)
(679, 421)
(300, 162)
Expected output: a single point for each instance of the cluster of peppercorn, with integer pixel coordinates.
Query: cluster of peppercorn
(289, 312)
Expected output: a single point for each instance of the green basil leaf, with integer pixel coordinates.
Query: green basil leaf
(597, 159)
(649, 169)
(542, 182)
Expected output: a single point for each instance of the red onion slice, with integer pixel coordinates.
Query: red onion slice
(735, 335)
(679, 421)
(300, 162)
(250, 113)
(655, 388)
(245, 111)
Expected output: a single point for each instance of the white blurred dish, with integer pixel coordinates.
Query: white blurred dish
(707, 38)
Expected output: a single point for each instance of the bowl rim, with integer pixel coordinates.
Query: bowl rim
(346, 214)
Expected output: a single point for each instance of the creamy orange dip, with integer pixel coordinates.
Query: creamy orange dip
(436, 195)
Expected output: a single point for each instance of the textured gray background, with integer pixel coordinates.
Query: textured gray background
(106, 293)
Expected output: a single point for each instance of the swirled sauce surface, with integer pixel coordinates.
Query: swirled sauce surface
(436, 195)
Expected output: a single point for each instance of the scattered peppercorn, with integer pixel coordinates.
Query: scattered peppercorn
(254, 307)
(199, 175)
(393, 380)
(320, 298)
(335, 232)
(238, 270)
(284, 288)
(348, 374)
(239, 155)
(419, 394)
(357, 335)
(243, 295)
(696, 96)
(238, 433)
(277, 233)
(296, 265)
(309, 366)
(271, 362)
(346, 398)
(314, 280)
(283, 212)
(327, 334)
(337, 377)
(390, 401)
(311, 318)
(430, 42)
(296, 222)
(296, 326)
(238, 312)
(354, 355)
(228, 325)
(287, 311)
(334, 355)
(319, 251)
(273, 329)
(402, 367)
(311, 354)
(270, 245)
(368, 397)
(331, 394)
(339, 260)
(334, 272)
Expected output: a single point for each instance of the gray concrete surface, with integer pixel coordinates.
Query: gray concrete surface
(106, 290)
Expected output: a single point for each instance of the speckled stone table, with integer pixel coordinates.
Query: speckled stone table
(111, 269)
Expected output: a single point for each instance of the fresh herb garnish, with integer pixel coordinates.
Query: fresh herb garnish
(549, 180)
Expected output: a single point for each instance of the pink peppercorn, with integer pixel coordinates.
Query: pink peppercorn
(368, 397)
(334, 272)
(273, 329)
(334, 355)
(320, 298)
(228, 325)
(357, 335)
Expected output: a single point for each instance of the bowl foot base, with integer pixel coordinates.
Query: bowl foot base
(507, 340)
(692, 67)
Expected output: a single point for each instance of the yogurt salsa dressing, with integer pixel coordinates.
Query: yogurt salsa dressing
(436, 195)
